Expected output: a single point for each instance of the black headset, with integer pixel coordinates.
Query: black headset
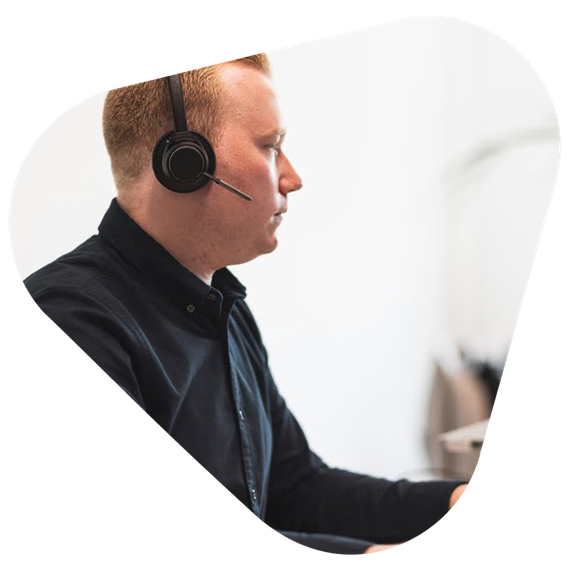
(184, 161)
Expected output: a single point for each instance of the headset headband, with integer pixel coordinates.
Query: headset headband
(177, 102)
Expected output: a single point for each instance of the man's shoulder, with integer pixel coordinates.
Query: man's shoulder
(76, 278)
(83, 292)
(80, 271)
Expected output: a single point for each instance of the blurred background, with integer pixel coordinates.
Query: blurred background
(428, 149)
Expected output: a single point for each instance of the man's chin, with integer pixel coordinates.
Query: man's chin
(268, 247)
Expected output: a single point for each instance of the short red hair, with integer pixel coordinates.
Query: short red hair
(134, 117)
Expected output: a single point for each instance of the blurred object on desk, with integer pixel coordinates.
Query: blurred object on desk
(463, 391)
(465, 439)
(486, 369)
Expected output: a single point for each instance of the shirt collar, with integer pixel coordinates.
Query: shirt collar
(143, 252)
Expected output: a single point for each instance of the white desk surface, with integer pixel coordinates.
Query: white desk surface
(465, 439)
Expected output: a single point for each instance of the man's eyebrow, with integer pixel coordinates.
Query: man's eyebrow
(274, 133)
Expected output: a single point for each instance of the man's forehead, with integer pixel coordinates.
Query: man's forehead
(252, 99)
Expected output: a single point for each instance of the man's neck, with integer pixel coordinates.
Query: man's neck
(196, 259)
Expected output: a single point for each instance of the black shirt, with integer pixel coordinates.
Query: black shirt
(192, 356)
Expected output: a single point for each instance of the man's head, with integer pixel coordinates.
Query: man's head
(134, 117)
(235, 106)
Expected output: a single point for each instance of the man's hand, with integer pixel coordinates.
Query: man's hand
(457, 492)
(379, 547)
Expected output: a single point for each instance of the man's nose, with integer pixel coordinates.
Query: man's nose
(290, 180)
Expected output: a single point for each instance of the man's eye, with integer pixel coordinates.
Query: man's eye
(273, 147)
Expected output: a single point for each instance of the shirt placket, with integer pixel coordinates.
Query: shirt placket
(243, 427)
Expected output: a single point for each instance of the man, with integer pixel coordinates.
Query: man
(151, 300)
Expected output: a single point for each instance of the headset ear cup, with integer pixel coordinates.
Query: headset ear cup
(179, 161)
(185, 161)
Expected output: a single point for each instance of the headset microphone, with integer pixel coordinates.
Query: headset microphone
(184, 161)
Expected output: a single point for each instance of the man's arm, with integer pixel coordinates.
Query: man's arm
(308, 496)
(455, 496)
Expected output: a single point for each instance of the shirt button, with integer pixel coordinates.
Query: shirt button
(190, 308)
(241, 415)
(253, 494)
(212, 297)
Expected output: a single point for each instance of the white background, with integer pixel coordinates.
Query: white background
(396, 243)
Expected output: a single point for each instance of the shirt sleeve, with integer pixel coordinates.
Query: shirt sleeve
(308, 496)
(97, 330)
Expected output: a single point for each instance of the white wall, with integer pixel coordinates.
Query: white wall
(391, 246)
